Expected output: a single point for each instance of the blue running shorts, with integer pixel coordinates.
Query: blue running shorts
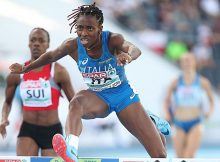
(118, 98)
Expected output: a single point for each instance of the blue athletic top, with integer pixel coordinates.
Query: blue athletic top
(188, 95)
(102, 73)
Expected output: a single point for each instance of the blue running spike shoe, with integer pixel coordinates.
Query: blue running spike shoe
(162, 125)
(62, 148)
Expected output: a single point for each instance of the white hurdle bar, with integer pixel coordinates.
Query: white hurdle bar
(94, 159)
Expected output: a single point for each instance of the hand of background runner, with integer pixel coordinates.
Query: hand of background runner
(3, 128)
(16, 68)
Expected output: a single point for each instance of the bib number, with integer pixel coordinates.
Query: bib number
(36, 93)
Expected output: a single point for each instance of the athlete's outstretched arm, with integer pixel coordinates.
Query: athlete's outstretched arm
(46, 58)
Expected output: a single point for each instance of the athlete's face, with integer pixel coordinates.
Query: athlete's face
(88, 30)
(38, 43)
(188, 62)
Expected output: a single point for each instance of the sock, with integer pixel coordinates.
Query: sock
(73, 140)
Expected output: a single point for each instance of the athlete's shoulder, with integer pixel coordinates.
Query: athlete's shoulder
(174, 83)
(69, 46)
(60, 72)
(115, 35)
(70, 42)
(204, 81)
(115, 39)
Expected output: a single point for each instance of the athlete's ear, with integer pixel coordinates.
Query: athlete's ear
(100, 29)
(48, 45)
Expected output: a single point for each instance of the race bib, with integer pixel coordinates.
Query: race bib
(36, 93)
(189, 96)
(99, 81)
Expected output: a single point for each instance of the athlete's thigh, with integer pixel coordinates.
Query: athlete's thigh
(48, 152)
(193, 141)
(179, 141)
(26, 146)
(137, 122)
(93, 106)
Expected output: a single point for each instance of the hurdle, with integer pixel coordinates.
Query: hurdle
(95, 159)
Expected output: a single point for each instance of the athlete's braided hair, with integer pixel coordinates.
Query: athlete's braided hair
(85, 10)
(39, 28)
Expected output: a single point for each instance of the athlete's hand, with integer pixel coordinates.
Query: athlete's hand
(17, 68)
(123, 58)
(3, 128)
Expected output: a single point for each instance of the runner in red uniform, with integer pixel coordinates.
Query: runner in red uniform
(39, 91)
